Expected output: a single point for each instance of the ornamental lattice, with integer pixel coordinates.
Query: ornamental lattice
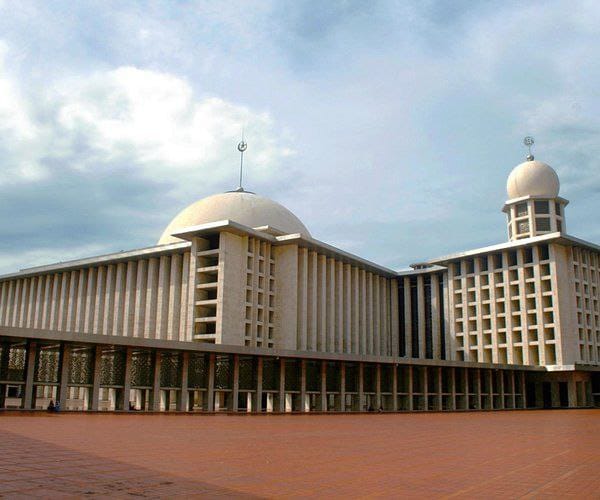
(270, 374)
(198, 371)
(81, 366)
(142, 369)
(333, 376)
(47, 364)
(351, 377)
(370, 378)
(247, 377)
(223, 372)
(14, 361)
(112, 367)
(170, 369)
(292, 375)
(387, 375)
(313, 376)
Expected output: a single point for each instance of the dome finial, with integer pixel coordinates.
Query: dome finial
(528, 141)
(242, 146)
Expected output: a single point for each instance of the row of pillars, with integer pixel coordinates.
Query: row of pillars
(473, 395)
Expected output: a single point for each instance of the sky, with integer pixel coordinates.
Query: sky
(388, 128)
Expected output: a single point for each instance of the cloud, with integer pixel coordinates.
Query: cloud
(146, 121)
(390, 127)
(103, 160)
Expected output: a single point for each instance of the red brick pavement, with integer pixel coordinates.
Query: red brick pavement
(530, 454)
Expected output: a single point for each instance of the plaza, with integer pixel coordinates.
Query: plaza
(412, 455)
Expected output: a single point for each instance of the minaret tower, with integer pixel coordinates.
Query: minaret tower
(533, 207)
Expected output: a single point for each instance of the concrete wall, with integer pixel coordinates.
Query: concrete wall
(139, 298)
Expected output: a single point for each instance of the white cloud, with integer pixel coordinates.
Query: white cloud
(131, 118)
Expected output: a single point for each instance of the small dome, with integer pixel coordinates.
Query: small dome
(533, 178)
(243, 207)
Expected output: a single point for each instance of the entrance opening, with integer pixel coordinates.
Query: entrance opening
(563, 391)
(547, 394)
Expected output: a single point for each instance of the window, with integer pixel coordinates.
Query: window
(557, 208)
(542, 207)
(523, 227)
(497, 261)
(521, 209)
(542, 224)
(483, 264)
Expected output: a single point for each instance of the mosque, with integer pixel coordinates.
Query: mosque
(238, 308)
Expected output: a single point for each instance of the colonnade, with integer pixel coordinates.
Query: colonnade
(129, 378)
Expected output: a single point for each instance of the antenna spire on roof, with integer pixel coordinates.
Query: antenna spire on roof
(242, 146)
(528, 141)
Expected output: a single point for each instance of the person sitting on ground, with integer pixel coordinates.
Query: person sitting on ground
(50, 406)
(57, 406)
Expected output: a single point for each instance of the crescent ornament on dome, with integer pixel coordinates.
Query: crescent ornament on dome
(528, 141)
(242, 146)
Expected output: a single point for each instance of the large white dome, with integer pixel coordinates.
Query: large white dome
(243, 207)
(533, 178)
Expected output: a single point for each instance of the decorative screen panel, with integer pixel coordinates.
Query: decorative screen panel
(112, 367)
(13, 362)
(351, 377)
(81, 366)
(198, 371)
(47, 364)
(313, 376)
(270, 374)
(142, 369)
(247, 376)
(170, 369)
(223, 372)
(292, 375)
(333, 376)
(370, 378)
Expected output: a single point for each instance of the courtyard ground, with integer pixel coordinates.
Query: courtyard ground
(525, 454)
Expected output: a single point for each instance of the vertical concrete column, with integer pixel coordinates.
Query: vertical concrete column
(440, 401)
(410, 388)
(183, 403)
(259, 379)
(342, 386)
(554, 392)
(96, 383)
(156, 382)
(282, 385)
(513, 387)
(466, 388)
(425, 384)
(65, 354)
(236, 382)
(127, 379)
(501, 391)
(361, 387)
(453, 388)
(210, 390)
(303, 385)
(524, 389)
(378, 386)
(589, 398)
(395, 388)
(572, 385)
(29, 374)
(323, 385)
(478, 388)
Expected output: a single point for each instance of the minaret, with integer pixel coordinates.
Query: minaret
(533, 207)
